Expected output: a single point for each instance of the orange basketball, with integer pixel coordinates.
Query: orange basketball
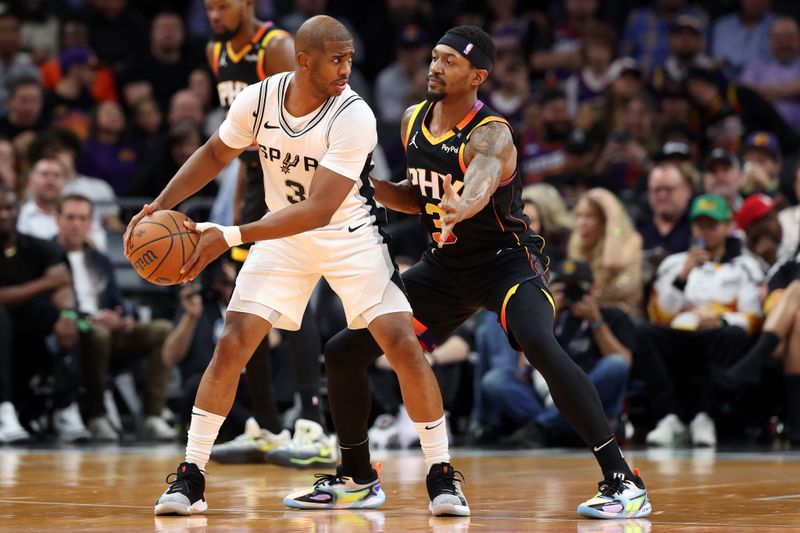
(160, 245)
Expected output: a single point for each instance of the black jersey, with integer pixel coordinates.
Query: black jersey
(499, 226)
(236, 70)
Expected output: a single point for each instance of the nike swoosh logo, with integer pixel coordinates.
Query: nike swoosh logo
(351, 230)
(598, 448)
(268, 127)
(436, 426)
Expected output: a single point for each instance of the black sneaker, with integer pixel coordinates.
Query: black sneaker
(185, 495)
(444, 490)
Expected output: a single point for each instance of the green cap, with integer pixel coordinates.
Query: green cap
(712, 206)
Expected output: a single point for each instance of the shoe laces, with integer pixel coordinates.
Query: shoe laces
(445, 481)
(612, 485)
(328, 479)
(183, 480)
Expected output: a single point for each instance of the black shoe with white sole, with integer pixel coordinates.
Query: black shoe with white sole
(185, 495)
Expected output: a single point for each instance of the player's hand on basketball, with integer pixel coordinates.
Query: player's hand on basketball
(211, 245)
(147, 210)
(452, 210)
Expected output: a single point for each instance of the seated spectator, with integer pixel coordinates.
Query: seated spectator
(36, 297)
(704, 307)
(780, 339)
(743, 37)
(777, 78)
(790, 218)
(679, 150)
(599, 340)
(605, 238)
(542, 146)
(580, 153)
(14, 63)
(108, 154)
(590, 83)
(202, 85)
(25, 115)
(716, 102)
(558, 52)
(115, 336)
(511, 90)
(758, 219)
(38, 215)
(147, 121)
(71, 101)
(762, 160)
(117, 32)
(687, 45)
(723, 177)
(599, 118)
(549, 218)
(665, 226)
(406, 80)
(647, 31)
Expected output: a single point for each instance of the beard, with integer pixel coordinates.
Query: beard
(435, 96)
(226, 35)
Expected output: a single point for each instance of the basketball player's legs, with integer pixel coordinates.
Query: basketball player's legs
(528, 314)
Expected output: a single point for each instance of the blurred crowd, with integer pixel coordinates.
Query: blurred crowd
(658, 148)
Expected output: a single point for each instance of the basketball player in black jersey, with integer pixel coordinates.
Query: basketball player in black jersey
(462, 180)
(244, 51)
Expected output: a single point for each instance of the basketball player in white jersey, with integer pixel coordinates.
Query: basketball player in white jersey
(315, 137)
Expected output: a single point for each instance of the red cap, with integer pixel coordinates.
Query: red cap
(754, 208)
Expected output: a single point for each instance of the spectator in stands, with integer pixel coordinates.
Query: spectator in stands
(589, 84)
(108, 154)
(680, 149)
(761, 155)
(117, 32)
(201, 84)
(715, 103)
(542, 146)
(8, 164)
(511, 89)
(665, 227)
(386, 19)
(705, 305)
(558, 53)
(39, 28)
(25, 115)
(508, 30)
(185, 105)
(599, 118)
(14, 64)
(777, 78)
(71, 101)
(167, 62)
(779, 339)
(404, 81)
(36, 294)
(147, 121)
(605, 238)
(758, 219)
(549, 218)
(647, 29)
(63, 145)
(723, 177)
(743, 37)
(38, 215)
(790, 218)
(601, 340)
(115, 336)
(687, 45)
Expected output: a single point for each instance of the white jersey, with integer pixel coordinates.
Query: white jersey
(339, 135)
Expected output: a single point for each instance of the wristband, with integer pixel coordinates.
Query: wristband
(83, 324)
(597, 324)
(231, 234)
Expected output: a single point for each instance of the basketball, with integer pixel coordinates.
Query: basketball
(160, 245)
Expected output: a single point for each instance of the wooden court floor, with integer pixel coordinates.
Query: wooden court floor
(113, 489)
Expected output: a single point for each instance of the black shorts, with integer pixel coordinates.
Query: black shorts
(443, 297)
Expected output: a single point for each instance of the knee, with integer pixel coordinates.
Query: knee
(616, 364)
(405, 355)
(793, 290)
(160, 328)
(99, 334)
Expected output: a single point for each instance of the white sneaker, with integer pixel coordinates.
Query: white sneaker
(69, 425)
(102, 430)
(703, 431)
(384, 433)
(11, 431)
(669, 431)
(310, 447)
(156, 428)
(251, 446)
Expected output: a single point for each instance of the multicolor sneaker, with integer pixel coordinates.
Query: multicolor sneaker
(186, 493)
(444, 490)
(310, 447)
(335, 491)
(251, 446)
(618, 497)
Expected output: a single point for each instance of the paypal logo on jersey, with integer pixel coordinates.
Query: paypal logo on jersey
(450, 149)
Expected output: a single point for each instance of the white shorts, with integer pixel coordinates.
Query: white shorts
(278, 277)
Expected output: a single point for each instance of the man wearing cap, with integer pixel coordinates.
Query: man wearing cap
(723, 177)
(599, 340)
(404, 80)
(762, 160)
(73, 94)
(704, 307)
(739, 38)
(758, 218)
(687, 45)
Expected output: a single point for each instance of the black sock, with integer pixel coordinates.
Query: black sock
(791, 385)
(748, 369)
(609, 457)
(355, 461)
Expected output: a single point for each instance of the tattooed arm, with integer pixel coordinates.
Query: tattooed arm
(490, 156)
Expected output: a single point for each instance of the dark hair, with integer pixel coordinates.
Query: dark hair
(74, 197)
(21, 81)
(53, 140)
(552, 94)
(479, 38)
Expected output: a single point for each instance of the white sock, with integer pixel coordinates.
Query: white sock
(202, 433)
(433, 439)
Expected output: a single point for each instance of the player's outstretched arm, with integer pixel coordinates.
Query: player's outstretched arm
(490, 155)
(399, 196)
(202, 167)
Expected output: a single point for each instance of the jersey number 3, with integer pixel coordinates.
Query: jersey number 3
(436, 214)
(298, 192)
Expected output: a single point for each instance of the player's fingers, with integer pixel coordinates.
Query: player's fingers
(191, 226)
(446, 229)
(189, 264)
(126, 238)
(197, 267)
